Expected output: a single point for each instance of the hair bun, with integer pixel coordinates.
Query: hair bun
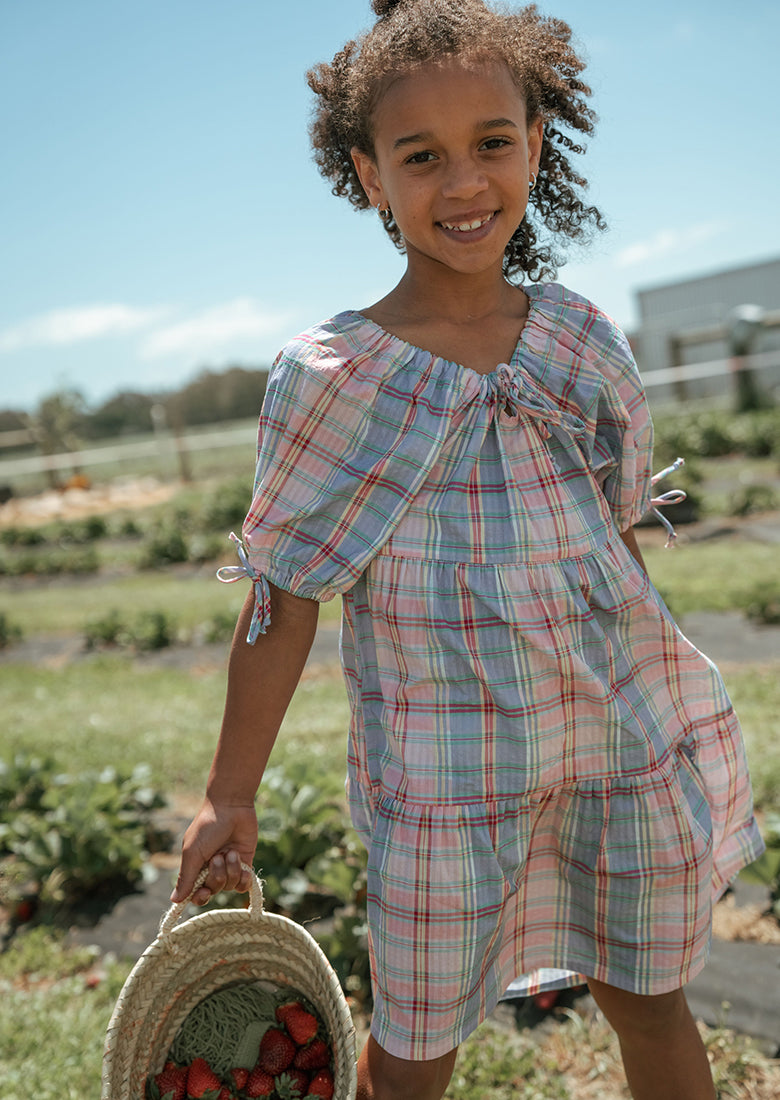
(384, 7)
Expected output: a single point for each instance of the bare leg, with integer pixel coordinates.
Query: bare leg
(663, 1055)
(382, 1076)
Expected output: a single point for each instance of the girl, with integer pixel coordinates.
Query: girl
(549, 778)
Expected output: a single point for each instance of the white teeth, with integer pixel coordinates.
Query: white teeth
(464, 227)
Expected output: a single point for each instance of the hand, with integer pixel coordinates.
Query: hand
(222, 836)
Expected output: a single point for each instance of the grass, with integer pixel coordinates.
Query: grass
(190, 594)
(54, 1010)
(167, 718)
(714, 575)
(58, 1000)
(580, 1060)
(755, 693)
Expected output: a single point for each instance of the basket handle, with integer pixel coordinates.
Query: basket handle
(256, 900)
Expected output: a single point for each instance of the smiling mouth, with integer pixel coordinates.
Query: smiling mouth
(470, 226)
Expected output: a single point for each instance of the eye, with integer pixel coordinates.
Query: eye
(495, 143)
(423, 157)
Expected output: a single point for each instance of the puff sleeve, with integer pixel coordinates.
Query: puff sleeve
(344, 445)
(623, 443)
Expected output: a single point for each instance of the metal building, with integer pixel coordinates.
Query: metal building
(696, 333)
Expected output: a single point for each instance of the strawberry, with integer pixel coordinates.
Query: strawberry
(314, 1056)
(239, 1077)
(24, 911)
(321, 1084)
(547, 1000)
(171, 1082)
(201, 1079)
(301, 1025)
(292, 1084)
(277, 1051)
(259, 1083)
(226, 1093)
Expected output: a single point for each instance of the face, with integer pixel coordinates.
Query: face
(453, 156)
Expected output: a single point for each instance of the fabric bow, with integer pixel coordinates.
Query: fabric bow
(517, 392)
(229, 574)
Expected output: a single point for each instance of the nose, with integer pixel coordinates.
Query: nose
(463, 179)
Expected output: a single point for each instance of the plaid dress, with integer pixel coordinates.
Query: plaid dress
(549, 777)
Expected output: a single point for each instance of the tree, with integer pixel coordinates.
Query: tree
(58, 422)
(125, 413)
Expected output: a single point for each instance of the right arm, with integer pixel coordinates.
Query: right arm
(261, 681)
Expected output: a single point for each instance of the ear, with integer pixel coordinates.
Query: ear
(368, 174)
(535, 139)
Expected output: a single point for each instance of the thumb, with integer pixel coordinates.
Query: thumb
(189, 869)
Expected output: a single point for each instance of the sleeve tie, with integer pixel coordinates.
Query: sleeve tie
(672, 496)
(229, 574)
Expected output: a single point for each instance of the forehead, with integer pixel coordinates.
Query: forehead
(470, 91)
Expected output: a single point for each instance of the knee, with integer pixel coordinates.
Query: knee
(634, 1014)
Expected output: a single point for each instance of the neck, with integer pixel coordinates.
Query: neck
(451, 296)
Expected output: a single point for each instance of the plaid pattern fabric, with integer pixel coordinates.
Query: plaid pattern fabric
(549, 777)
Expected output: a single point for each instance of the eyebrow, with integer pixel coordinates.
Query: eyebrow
(427, 135)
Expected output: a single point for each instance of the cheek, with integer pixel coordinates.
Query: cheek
(409, 207)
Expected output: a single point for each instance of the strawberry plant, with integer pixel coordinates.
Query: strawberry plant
(71, 835)
(309, 856)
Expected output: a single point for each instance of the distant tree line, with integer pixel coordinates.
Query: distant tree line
(63, 420)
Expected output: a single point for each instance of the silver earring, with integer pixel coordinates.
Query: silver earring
(532, 182)
(384, 214)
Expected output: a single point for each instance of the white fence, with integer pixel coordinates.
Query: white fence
(168, 447)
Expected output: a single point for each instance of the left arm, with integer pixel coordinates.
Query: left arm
(629, 538)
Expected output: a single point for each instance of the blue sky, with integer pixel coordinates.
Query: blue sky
(160, 211)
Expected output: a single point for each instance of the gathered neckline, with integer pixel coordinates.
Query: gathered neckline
(534, 294)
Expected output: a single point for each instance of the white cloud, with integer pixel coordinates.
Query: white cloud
(226, 327)
(666, 242)
(71, 326)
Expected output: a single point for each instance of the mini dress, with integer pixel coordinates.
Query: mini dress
(548, 776)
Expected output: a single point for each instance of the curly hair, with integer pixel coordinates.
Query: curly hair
(543, 64)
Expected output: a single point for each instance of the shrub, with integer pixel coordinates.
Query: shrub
(148, 631)
(108, 630)
(753, 498)
(206, 548)
(129, 528)
(167, 546)
(82, 531)
(758, 434)
(153, 630)
(227, 506)
(763, 603)
(713, 433)
(219, 628)
(10, 632)
(22, 536)
(49, 563)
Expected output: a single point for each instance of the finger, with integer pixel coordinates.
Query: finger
(234, 870)
(244, 881)
(201, 896)
(189, 869)
(217, 878)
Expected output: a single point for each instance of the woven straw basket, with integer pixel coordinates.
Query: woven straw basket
(188, 962)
